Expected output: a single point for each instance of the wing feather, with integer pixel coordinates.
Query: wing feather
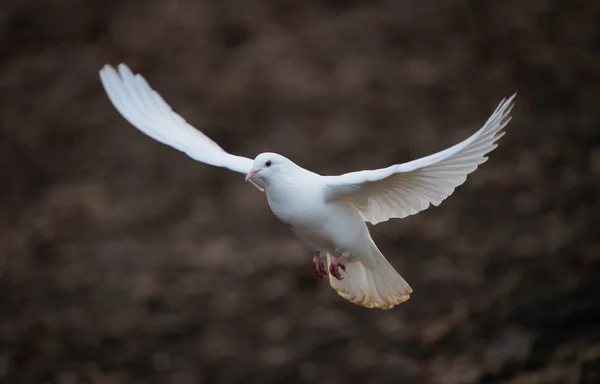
(405, 189)
(146, 110)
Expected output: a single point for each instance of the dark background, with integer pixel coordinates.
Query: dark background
(124, 261)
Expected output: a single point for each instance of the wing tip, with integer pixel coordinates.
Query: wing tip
(107, 70)
(121, 69)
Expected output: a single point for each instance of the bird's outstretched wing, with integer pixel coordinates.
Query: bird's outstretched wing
(406, 189)
(146, 110)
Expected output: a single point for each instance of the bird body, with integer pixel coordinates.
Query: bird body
(298, 199)
(328, 213)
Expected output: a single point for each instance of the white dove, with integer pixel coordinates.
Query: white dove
(328, 213)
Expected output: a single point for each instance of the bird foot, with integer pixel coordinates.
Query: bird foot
(335, 265)
(319, 266)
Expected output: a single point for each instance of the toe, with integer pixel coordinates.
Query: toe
(333, 269)
(322, 268)
(317, 272)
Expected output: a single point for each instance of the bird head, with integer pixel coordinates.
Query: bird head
(269, 165)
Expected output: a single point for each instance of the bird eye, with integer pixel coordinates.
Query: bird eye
(268, 163)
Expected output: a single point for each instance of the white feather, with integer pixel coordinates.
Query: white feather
(406, 189)
(146, 110)
(327, 212)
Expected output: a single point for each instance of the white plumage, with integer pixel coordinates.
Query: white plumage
(405, 189)
(328, 213)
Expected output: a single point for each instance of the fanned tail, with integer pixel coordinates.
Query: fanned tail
(373, 283)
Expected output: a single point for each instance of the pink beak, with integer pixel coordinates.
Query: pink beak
(252, 173)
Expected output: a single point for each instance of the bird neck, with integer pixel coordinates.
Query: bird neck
(287, 185)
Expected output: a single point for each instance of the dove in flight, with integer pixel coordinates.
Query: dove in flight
(328, 213)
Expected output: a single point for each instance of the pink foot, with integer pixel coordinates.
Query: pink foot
(335, 265)
(319, 266)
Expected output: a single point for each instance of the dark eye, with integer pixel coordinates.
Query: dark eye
(268, 163)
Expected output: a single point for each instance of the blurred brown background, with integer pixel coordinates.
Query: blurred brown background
(124, 261)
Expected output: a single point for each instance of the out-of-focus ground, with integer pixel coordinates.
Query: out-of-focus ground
(124, 261)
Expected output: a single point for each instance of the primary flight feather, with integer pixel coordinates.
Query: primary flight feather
(328, 213)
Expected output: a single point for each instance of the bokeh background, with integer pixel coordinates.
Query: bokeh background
(124, 261)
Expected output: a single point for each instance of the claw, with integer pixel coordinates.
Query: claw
(319, 266)
(335, 265)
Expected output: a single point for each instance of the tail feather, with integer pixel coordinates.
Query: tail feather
(372, 283)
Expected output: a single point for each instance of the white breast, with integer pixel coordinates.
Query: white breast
(298, 206)
(321, 225)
